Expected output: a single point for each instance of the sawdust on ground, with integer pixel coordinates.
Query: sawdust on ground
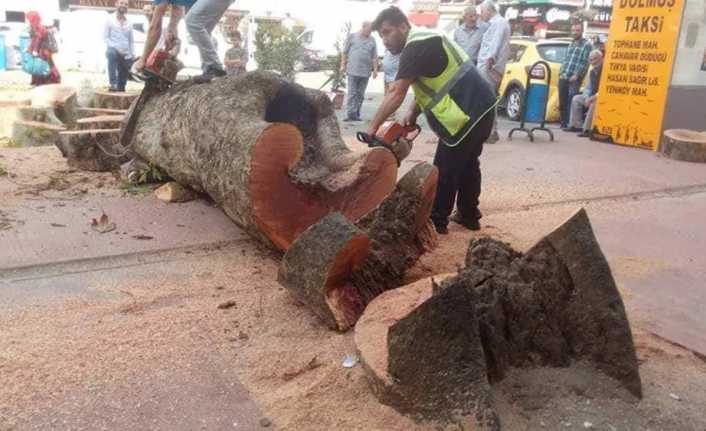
(290, 363)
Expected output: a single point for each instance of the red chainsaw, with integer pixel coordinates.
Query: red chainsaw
(393, 136)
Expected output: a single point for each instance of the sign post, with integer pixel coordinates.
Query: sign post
(637, 71)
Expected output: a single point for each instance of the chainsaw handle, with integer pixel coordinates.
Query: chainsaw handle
(412, 131)
(365, 138)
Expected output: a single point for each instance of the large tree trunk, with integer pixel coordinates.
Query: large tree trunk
(268, 151)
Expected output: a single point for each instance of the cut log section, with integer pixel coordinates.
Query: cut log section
(61, 98)
(268, 151)
(93, 150)
(114, 100)
(101, 122)
(96, 112)
(431, 351)
(35, 133)
(685, 145)
(399, 232)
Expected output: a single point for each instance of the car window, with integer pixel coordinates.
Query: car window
(553, 53)
(516, 52)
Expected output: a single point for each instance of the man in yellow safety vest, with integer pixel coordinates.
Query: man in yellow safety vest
(457, 102)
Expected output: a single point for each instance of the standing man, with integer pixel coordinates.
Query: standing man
(119, 46)
(358, 60)
(587, 101)
(494, 51)
(572, 71)
(390, 67)
(457, 102)
(154, 33)
(470, 33)
(237, 57)
(200, 22)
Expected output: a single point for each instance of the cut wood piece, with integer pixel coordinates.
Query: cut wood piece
(35, 133)
(553, 306)
(399, 231)
(61, 98)
(268, 151)
(175, 193)
(318, 275)
(100, 122)
(93, 150)
(115, 100)
(685, 145)
(95, 112)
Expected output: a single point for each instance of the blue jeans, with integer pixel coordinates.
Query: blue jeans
(356, 94)
(118, 69)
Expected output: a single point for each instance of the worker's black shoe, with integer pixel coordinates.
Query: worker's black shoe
(571, 129)
(584, 134)
(468, 223)
(209, 74)
(441, 229)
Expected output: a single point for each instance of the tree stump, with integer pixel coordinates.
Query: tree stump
(433, 351)
(39, 114)
(61, 98)
(337, 268)
(92, 150)
(100, 122)
(114, 100)
(35, 133)
(268, 151)
(684, 145)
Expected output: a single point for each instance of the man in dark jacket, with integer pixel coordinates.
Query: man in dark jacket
(457, 102)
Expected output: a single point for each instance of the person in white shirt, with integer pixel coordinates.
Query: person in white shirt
(119, 46)
(494, 51)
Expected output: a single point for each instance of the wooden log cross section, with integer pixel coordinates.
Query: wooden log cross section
(269, 152)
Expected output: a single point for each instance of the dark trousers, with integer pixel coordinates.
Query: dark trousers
(356, 95)
(567, 91)
(459, 174)
(118, 69)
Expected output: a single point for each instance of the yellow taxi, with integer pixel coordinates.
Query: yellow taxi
(524, 52)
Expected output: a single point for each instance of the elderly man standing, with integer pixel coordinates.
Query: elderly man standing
(119, 46)
(494, 51)
(358, 60)
(573, 70)
(587, 100)
(470, 33)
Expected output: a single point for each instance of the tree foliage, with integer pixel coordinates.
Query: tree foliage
(277, 48)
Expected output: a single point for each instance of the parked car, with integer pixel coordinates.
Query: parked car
(524, 52)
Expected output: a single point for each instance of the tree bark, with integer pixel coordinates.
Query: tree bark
(320, 264)
(92, 150)
(266, 150)
(114, 100)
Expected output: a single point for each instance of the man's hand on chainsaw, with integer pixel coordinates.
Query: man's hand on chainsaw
(410, 118)
(170, 40)
(139, 65)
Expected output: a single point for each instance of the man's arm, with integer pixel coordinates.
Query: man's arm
(173, 27)
(153, 34)
(344, 53)
(392, 101)
(375, 60)
(130, 44)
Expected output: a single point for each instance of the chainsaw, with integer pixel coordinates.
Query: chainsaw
(393, 136)
(155, 82)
